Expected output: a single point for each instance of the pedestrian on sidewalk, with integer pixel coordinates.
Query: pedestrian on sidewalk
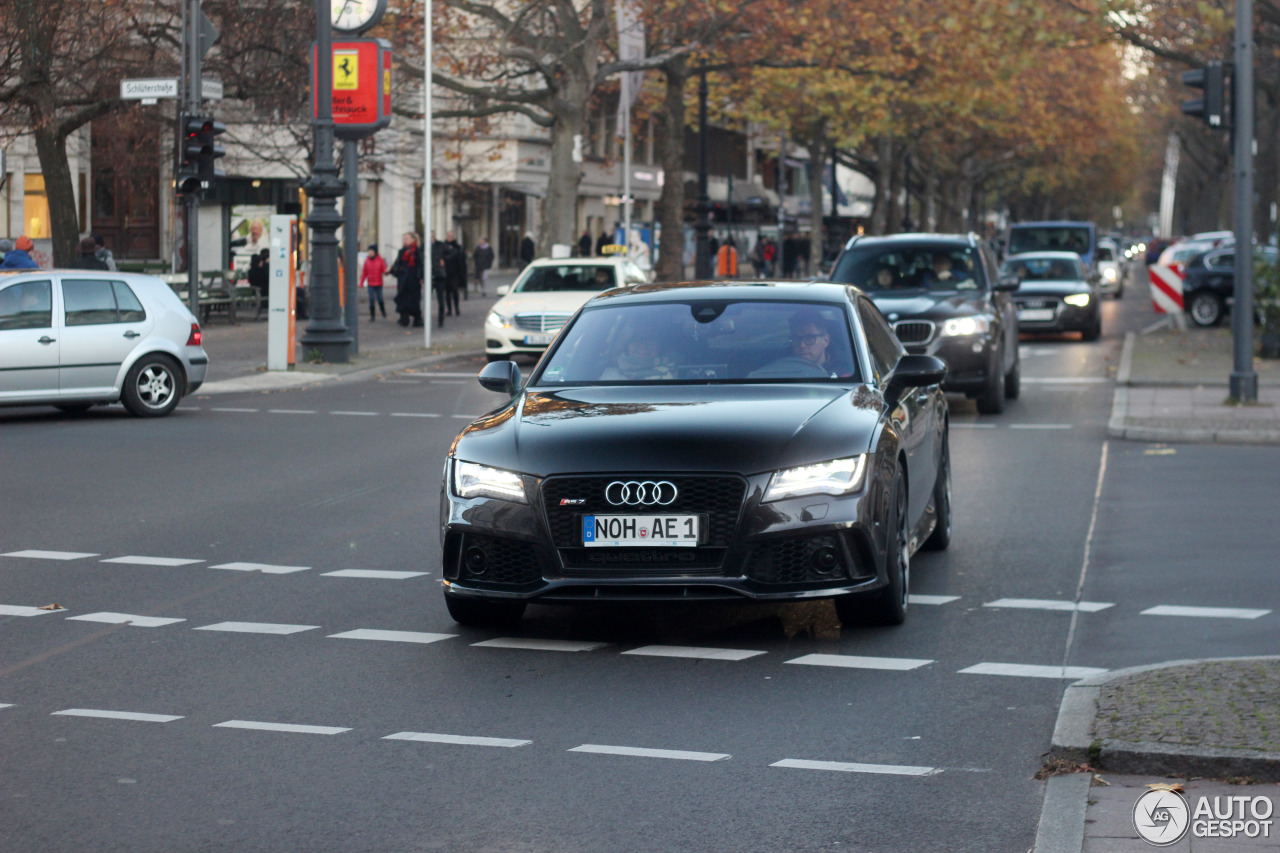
(438, 282)
(19, 257)
(483, 258)
(375, 267)
(527, 249)
(455, 271)
(727, 260)
(408, 272)
(260, 273)
(88, 260)
(103, 253)
(584, 244)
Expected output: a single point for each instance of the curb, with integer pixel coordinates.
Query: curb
(282, 380)
(1062, 817)
(1073, 738)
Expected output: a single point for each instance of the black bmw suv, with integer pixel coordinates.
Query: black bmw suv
(941, 294)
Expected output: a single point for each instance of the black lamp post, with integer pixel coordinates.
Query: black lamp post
(327, 331)
(702, 227)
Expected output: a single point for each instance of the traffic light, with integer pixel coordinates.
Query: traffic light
(198, 152)
(1212, 107)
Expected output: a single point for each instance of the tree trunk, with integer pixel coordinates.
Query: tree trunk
(559, 224)
(64, 225)
(819, 151)
(671, 204)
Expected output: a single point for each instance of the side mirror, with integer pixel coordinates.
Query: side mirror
(503, 289)
(1008, 283)
(1095, 278)
(502, 377)
(915, 371)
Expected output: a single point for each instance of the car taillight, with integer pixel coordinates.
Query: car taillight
(195, 338)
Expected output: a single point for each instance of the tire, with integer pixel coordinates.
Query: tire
(480, 613)
(940, 538)
(1094, 331)
(1205, 309)
(991, 400)
(152, 387)
(1119, 290)
(888, 605)
(1013, 380)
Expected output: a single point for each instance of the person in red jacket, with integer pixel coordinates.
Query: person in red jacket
(371, 276)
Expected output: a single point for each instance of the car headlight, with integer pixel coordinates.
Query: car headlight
(498, 320)
(1080, 300)
(837, 477)
(960, 326)
(479, 481)
(1109, 274)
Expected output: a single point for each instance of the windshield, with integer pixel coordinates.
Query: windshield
(1105, 254)
(1049, 238)
(1043, 269)
(917, 266)
(569, 276)
(704, 341)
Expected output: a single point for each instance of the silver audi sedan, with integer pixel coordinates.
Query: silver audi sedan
(79, 338)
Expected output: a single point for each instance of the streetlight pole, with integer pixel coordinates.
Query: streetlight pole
(327, 332)
(702, 227)
(1244, 381)
(428, 261)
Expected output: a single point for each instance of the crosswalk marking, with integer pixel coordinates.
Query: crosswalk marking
(1031, 671)
(262, 567)
(256, 628)
(640, 752)
(133, 560)
(846, 767)
(116, 715)
(462, 740)
(861, 662)
(693, 652)
(1046, 604)
(126, 619)
(539, 645)
(23, 610)
(281, 727)
(913, 598)
(392, 636)
(379, 574)
(49, 555)
(1205, 612)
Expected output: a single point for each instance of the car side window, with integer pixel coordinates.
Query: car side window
(131, 310)
(89, 302)
(881, 341)
(27, 305)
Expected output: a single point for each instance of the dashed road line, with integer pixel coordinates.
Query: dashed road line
(1204, 612)
(3, 706)
(914, 598)
(291, 411)
(116, 715)
(693, 652)
(414, 415)
(1032, 671)
(377, 574)
(126, 619)
(461, 740)
(134, 560)
(862, 662)
(1066, 380)
(640, 752)
(262, 567)
(358, 414)
(281, 727)
(1047, 604)
(849, 767)
(465, 417)
(535, 644)
(24, 610)
(392, 636)
(256, 628)
(49, 555)
(955, 425)
(230, 409)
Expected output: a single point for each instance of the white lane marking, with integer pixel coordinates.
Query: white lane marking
(847, 767)
(913, 598)
(1066, 380)
(392, 636)
(256, 628)
(1045, 604)
(23, 610)
(379, 574)
(446, 381)
(461, 740)
(465, 417)
(116, 715)
(126, 619)
(1040, 426)
(1205, 612)
(413, 415)
(861, 662)
(402, 381)
(188, 408)
(49, 555)
(262, 567)
(281, 727)
(955, 425)
(640, 752)
(539, 645)
(134, 560)
(291, 411)
(693, 652)
(358, 414)
(1031, 671)
(229, 409)
(3, 705)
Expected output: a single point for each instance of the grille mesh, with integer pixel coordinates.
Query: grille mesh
(510, 562)
(719, 498)
(913, 331)
(785, 561)
(540, 322)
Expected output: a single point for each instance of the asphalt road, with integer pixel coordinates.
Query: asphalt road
(316, 696)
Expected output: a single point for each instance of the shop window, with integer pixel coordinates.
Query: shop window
(35, 208)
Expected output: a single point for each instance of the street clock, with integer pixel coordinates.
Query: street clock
(356, 16)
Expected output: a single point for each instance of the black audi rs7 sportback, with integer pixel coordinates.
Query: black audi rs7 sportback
(742, 441)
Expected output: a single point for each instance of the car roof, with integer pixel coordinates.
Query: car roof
(736, 291)
(1047, 255)
(611, 261)
(912, 238)
(1051, 223)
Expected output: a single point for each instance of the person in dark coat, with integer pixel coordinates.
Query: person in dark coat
(603, 240)
(88, 258)
(409, 275)
(455, 271)
(19, 257)
(584, 244)
(527, 250)
(439, 283)
(259, 272)
(483, 258)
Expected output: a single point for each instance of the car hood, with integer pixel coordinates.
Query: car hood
(550, 301)
(745, 429)
(931, 306)
(1051, 288)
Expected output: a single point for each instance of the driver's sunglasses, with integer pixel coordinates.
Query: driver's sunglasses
(807, 340)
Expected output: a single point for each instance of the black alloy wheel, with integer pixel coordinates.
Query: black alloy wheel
(887, 605)
(481, 613)
(1013, 379)
(940, 538)
(1205, 309)
(152, 387)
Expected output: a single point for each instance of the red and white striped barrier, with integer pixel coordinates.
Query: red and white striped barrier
(1166, 288)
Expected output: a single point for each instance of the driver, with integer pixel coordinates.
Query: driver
(810, 339)
(943, 275)
(811, 352)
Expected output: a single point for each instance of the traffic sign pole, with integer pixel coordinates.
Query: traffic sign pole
(1244, 381)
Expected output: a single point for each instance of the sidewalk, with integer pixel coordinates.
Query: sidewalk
(238, 353)
(1213, 725)
(1173, 386)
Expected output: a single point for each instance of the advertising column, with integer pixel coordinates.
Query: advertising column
(281, 294)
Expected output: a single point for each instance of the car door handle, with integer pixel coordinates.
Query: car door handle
(132, 334)
(47, 340)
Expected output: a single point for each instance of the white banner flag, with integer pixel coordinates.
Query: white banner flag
(630, 46)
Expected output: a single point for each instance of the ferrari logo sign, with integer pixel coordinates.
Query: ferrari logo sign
(361, 86)
(346, 69)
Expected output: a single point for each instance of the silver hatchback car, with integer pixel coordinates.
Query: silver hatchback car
(79, 338)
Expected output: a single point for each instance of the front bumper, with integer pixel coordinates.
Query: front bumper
(810, 547)
(510, 340)
(969, 360)
(1062, 317)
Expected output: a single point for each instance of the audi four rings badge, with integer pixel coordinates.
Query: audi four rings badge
(640, 493)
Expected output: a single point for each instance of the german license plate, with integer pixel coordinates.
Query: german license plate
(1036, 315)
(628, 531)
(540, 340)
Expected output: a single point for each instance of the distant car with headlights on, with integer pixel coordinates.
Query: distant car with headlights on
(942, 297)
(1055, 294)
(1110, 268)
(543, 298)
(702, 442)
